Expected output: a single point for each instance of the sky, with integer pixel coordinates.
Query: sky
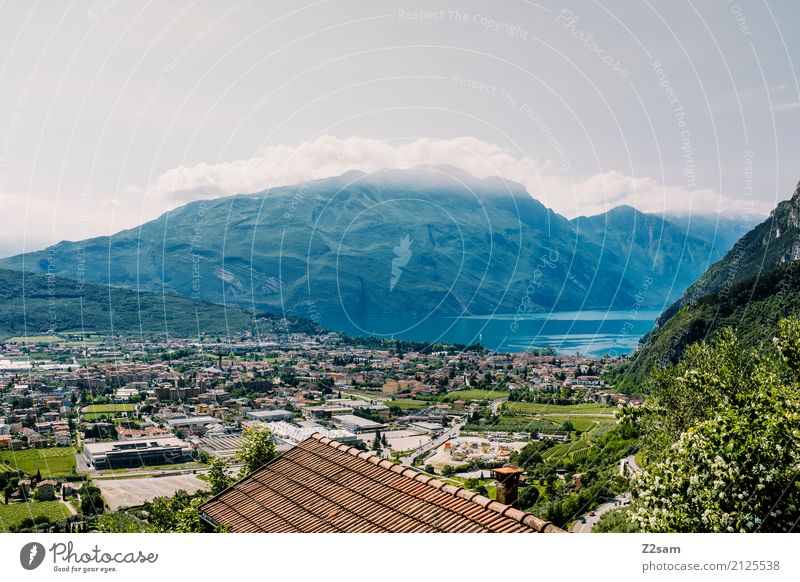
(115, 111)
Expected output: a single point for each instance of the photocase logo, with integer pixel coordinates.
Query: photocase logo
(402, 254)
(31, 555)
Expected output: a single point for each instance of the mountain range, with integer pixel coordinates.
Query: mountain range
(754, 285)
(426, 240)
(32, 304)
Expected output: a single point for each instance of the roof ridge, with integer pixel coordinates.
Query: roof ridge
(522, 517)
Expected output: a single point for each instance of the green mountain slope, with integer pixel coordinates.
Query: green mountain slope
(396, 242)
(33, 304)
(750, 289)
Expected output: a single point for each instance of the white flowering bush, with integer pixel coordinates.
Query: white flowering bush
(737, 468)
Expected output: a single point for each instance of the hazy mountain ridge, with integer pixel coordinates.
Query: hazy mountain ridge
(472, 246)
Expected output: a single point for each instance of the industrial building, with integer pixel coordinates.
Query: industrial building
(356, 424)
(269, 415)
(136, 453)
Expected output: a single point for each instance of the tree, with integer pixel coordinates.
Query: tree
(8, 491)
(615, 521)
(91, 500)
(733, 467)
(528, 497)
(176, 514)
(218, 475)
(256, 448)
(376, 442)
(690, 392)
(529, 456)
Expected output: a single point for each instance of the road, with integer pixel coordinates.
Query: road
(451, 432)
(591, 520)
(630, 464)
(69, 507)
(496, 404)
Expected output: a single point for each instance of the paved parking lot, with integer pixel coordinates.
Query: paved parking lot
(131, 492)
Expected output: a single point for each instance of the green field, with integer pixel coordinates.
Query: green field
(516, 424)
(109, 408)
(582, 423)
(407, 404)
(14, 513)
(467, 395)
(575, 450)
(51, 462)
(98, 411)
(566, 409)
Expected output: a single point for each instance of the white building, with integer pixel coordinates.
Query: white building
(192, 423)
(356, 424)
(294, 434)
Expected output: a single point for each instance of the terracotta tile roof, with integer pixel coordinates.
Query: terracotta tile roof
(324, 486)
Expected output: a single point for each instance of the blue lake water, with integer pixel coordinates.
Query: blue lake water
(593, 333)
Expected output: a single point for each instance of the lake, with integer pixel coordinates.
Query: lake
(593, 333)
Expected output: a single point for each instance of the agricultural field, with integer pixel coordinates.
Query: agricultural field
(407, 404)
(577, 450)
(584, 417)
(14, 513)
(565, 409)
(516, 424)
(51, 462)
(581, 423)
(467, 395)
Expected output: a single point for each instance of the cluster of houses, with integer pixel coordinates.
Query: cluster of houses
(204, 397)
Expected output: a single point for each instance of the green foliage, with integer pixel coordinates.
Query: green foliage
(91, 500)
(689, 392)
(615, 521)
(121, 522)
(528, 497)
(178, 514)
(218, 475)
(733, 462)
(529, 455)
(256, 448)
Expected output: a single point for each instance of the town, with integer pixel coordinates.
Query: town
(93, 426)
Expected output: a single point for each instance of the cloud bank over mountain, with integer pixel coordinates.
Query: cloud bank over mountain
(327, 156)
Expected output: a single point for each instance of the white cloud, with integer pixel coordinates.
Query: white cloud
(327, 156)
(787, 106)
